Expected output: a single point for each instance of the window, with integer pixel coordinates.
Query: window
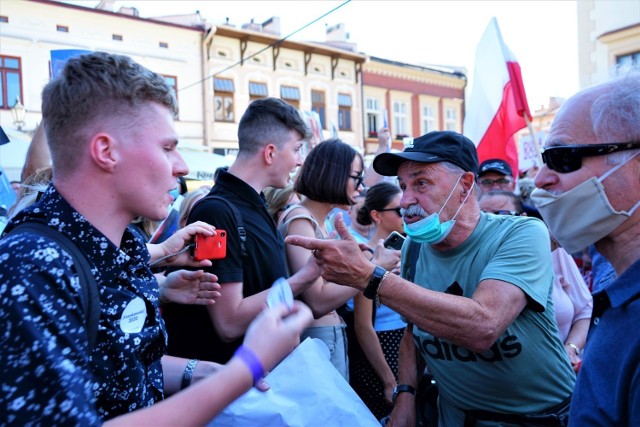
(344, 111)
(117, 37)
(627, 62)
(400, 119)
(172, 81)
(451, 119)
(428, 119)
(257, 91)
(62, 28)
(4, 19)
(318, 105)
(291, 95)
(163, 45)
(223, 99)
(11, 85)
(375, 117)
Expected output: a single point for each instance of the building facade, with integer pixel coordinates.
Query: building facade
(217, 70)
(608, 39)
(30, 30)
(411, 99)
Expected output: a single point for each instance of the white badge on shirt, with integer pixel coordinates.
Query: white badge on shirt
(133, 316)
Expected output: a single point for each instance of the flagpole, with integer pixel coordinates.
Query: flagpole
(533, 139)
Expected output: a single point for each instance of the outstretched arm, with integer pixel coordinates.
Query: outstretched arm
(271, 336)
(372, 177)
(474, 323)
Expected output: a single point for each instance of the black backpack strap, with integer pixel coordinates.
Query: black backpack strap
(89, 288)
(236, 213)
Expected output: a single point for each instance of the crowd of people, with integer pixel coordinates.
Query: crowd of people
(484, 294)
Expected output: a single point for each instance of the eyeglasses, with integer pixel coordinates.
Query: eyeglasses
(568, 158)
(359, 179)
(397, 210)
(492, 182)
(505, 212)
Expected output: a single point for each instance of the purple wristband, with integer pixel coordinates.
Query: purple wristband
(251, 360)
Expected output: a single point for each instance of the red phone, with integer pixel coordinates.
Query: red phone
(210, 247)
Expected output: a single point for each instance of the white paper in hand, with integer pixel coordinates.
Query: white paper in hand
(280, 293)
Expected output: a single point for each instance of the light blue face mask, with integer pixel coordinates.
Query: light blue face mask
(175, 193)
(429, 229)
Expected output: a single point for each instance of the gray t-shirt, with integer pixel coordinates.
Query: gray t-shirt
(526, 370)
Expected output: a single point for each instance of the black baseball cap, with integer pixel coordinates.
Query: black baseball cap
(495, 165)
(437, 146)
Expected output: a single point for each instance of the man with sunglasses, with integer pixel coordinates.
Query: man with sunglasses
(495, 174)
(479, 301)
(588, 191)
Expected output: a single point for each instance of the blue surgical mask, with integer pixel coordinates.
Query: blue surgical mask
(174, 193)
(430, 229)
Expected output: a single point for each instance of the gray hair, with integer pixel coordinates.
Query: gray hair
(616, 113)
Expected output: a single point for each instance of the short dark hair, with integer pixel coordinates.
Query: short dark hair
(325, 171)
(378, 197)
(94, 88)
(268, 121)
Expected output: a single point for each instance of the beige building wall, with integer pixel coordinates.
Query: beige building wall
(245, 56)
(32, 32)
(607, 29)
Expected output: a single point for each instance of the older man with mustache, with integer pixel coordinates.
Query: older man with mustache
(480, 307)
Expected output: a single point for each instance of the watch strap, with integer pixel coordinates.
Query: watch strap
(403, 388)
(374, 282)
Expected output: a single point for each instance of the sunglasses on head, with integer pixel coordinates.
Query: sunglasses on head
(568, 158)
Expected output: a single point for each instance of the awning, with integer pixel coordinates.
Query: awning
(202, 164)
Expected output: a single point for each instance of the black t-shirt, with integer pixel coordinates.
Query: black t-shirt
(190, 329)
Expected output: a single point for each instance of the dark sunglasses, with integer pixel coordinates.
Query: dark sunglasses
(568, 158)
(397, 210)
(359, 179)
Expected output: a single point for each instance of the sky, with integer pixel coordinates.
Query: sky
(542, 34)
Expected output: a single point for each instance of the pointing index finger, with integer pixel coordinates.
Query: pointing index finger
(305, 242)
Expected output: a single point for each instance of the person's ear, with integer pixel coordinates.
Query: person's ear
(375, 216)
(104, 151)
(269, 153)
(468, 179)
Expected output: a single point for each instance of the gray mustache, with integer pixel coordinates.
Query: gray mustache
(415, 210)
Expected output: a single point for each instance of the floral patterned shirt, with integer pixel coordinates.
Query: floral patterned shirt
(49, 374)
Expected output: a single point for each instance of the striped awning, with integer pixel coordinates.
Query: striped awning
(223, 85)
(290, 92)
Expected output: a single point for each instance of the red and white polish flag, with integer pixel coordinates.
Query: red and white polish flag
(497, 105)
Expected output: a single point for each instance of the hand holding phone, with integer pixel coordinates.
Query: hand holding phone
(210, 247)
(394, 241)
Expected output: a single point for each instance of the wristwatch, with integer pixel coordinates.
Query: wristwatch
(374, 283)
(402, 388)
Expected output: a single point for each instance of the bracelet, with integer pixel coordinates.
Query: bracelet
(251, 360)
(377, 297)
(575, 347)
(188, 373)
